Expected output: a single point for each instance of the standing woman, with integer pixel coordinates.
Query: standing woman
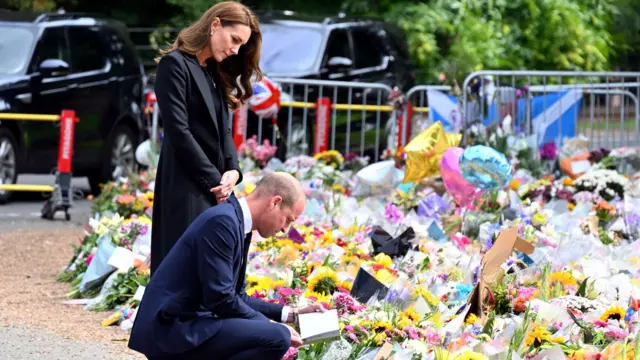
(205, 73)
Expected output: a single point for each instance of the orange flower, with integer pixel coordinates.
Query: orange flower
(125, 199)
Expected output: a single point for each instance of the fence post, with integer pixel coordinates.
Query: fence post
(321, 143)
(240, 125)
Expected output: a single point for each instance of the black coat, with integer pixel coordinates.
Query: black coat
(197, 149)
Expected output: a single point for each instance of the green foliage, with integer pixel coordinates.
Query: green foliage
(460, 36)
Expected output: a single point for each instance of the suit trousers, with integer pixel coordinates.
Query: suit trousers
(241, 339)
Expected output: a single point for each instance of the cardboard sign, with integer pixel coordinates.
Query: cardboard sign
(491, 263)
(323, 109)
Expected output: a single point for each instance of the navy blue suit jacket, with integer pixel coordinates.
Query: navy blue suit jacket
(197, 285)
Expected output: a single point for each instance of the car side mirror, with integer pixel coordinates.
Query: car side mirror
(339, 63)
(53, 68)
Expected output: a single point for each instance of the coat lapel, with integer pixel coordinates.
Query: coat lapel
(203, 86)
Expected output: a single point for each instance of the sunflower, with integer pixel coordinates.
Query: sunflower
(323, 281)
(347, 285)
(316, 297)
(381, 326)
(537, 336)
(403, 322)
(614, 313)
(470, 355)
(411, 314)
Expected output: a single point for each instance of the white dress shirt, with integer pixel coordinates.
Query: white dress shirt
(248, 225)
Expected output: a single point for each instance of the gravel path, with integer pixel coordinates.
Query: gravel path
(34, 323)
(21, 343)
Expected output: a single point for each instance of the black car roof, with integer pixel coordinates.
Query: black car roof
(60, 18)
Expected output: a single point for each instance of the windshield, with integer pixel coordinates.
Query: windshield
(288, 49)
(15, 47)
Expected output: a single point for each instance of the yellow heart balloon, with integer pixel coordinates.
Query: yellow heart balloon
(425, 151)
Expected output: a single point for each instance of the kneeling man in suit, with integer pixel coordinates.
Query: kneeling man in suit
(195, 306)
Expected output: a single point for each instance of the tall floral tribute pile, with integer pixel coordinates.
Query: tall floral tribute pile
(575, 296)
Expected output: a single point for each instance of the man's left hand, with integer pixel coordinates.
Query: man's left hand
(312, 308)
(305, 310)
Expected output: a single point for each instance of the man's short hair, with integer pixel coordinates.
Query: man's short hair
(280, 184)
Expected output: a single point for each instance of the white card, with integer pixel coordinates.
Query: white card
(121, 258)
(580, 166)
(139, 293)
(316, 327)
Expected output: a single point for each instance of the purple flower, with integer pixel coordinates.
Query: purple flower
(432, 206)
(548, 151)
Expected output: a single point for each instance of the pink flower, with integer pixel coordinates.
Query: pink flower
(616, 332)
(89, 258)
(291, 354)
(461, 241)
(392, 213)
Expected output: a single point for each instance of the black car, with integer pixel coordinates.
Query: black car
(338, 49)
(51, 62)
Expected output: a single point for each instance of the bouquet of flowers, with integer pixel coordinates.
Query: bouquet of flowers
(259, 154)
(609, 184)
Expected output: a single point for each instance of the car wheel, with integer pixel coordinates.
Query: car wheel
(8, 162)
(120, 160)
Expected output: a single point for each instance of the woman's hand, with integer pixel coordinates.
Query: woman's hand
(230, 177)
(224, 190)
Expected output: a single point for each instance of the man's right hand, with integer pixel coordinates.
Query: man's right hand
(296, 340)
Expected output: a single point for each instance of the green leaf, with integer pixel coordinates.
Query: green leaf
(582, 289)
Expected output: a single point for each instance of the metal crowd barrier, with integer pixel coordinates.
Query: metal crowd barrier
(555, 105)
(62, 190)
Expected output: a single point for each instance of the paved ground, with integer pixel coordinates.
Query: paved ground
(23, 211)
(34, 322)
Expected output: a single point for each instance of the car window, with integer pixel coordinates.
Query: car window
(16, 45)
(368, 50)
(338, 45)
(88, 52)
(289, 49)
(53, 45)
(123, 51)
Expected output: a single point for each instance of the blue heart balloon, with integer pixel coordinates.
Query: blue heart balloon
(485, 167)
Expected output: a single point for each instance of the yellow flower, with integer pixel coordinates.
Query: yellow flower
(615, 350)
(539, 219)
(472, 319)
(403, 323)
(470, 355)
(572, 206)
(514, 185)
(327, 239)
(385, 276)
(411, 314)
(567, 181)
(615, 313)
(426, 294)
(563, 278)
(557, 339)
(319, 298)
(383, 259)
(380, 338)
(323, 281)
(537, 336)
(381, 326)
(436, 320)
(338, 188)
(345, 284)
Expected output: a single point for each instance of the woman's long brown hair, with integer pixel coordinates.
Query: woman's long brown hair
(244, 65)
